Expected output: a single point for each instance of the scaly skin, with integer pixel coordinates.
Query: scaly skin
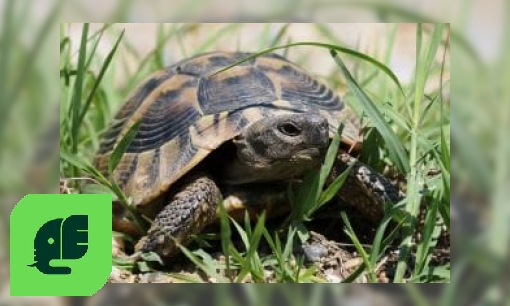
(186, 215)
(365, 189)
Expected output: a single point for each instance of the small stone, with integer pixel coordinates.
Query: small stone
(314, 252)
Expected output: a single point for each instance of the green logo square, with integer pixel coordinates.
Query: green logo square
(60, 244)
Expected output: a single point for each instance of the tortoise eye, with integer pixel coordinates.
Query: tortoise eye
(289, 129)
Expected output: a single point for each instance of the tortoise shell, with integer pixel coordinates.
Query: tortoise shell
(187, 110)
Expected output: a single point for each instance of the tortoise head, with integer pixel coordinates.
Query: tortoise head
(278, 148)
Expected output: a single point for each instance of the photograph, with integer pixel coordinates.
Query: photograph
(263, 153)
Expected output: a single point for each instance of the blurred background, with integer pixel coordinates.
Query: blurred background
(480, 125)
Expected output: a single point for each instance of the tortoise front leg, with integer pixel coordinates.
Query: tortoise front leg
(186, 215)
(365, 189)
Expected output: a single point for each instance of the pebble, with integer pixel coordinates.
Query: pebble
(314, 252)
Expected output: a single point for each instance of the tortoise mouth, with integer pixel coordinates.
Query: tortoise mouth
(310, 154)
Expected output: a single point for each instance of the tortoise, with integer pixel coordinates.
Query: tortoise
(241, 134)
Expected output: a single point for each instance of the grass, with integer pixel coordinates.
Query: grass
(407, 127)
(28, 104)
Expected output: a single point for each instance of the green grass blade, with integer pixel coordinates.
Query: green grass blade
(379, 245)
(445, 174)
(241, 232)
(98, 189)
(82, 165)
(445, 152)
(158, 53)
(99, 78)
(434, 44)
(279, 36)
(289, 244)
(333, 188)
(64, 45)
(121, 147)
(305, 197)
(396, 150)
(78, 89)
(93, 50)
(204, 264)
(152, 257)
(330, 158)
(350, 232)
(426, 243)
(251, 256)
(226, 236)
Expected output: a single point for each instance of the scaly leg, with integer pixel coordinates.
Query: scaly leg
(186, 215)
(365, 189)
